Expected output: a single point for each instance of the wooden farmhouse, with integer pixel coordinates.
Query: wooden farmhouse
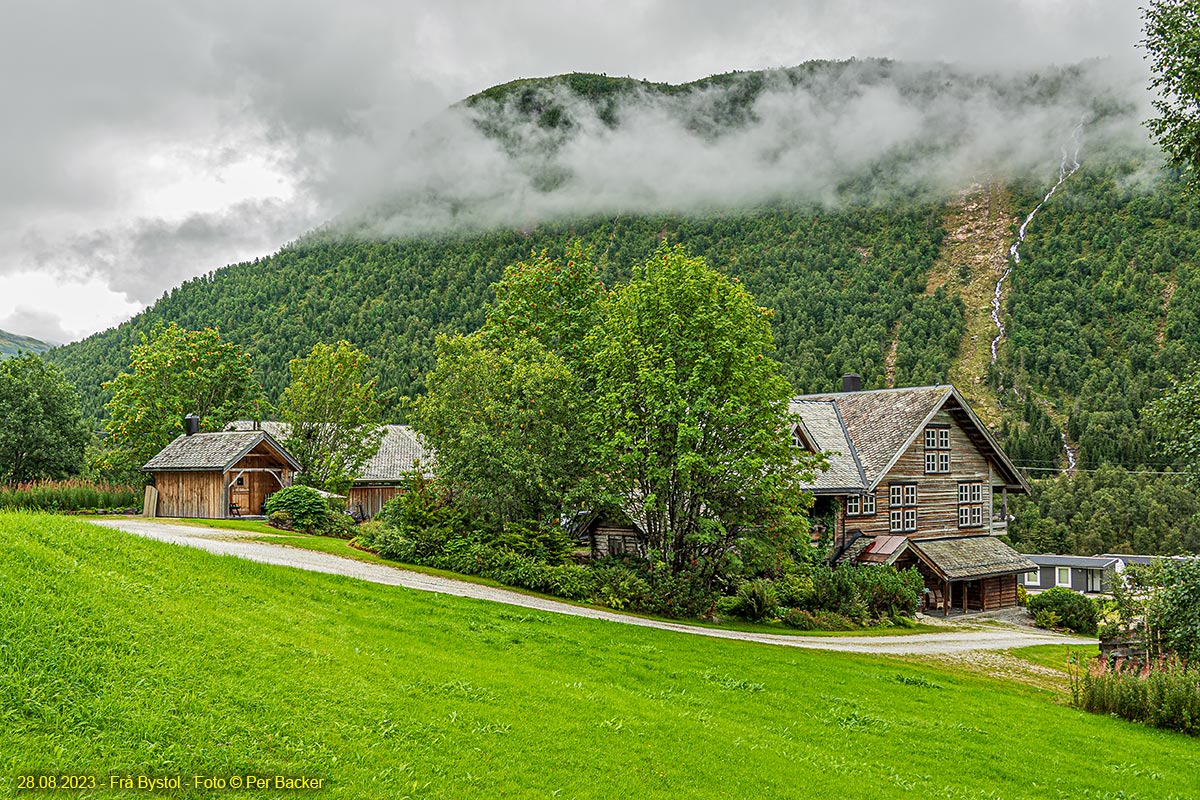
(915, 478)
(386, 475)
(218, 475)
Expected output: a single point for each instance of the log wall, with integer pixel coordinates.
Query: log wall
(191, 494)
(372, 498)
(937, 494)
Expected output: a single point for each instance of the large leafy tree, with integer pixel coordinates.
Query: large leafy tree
(505, 424)
(1173, 48)
(332, 415)
(690, 413)
(503, 410)
(174, 372)
(42, 432)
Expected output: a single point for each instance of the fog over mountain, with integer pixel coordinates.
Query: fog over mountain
(861, 131)
(151, 143)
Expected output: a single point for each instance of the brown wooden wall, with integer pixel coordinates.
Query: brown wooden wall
(987, 594)
(190, 494)
(371, 498)
(937, 495)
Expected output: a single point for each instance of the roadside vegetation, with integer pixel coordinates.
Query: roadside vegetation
(126, 655)
(73, 495)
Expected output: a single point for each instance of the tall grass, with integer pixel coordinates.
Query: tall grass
(70, 495)
(1164, 693)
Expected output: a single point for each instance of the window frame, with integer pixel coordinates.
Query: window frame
(970, 504)
(937, 450)
(903, 500)
(1058, 577)
(1037, 580)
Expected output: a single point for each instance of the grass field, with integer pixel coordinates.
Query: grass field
(131, 657)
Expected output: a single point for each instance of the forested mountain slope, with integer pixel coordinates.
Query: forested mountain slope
(884, 266)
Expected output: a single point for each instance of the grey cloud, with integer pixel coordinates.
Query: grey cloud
(42, 325)
(931, 128)
(142, 258)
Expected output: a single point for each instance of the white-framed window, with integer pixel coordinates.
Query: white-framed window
(1062, 576)
(970, 504)
(937, 449)
(1033, 578)
(860, 505)
(902, 507)
(798, 439)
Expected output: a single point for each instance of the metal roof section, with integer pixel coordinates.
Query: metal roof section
(1084, 562)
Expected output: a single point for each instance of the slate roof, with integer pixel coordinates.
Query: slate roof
(970, 557)
(1086, 562)
(882, 423)
(823, 428)
(205, 452)
(399, 450)
(399, 454)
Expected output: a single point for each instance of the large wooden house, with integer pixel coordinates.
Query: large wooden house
(909, 470)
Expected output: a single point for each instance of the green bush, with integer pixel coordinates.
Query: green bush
(800, 619)
(306, 506)
(756, 600)
(1073, 610)
(866, 592)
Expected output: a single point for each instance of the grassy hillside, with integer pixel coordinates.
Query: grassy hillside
(124, 656)
(11, 344)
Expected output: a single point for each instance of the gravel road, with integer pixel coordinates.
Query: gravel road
(955, 639)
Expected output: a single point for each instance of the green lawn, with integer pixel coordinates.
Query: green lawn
(120, 655)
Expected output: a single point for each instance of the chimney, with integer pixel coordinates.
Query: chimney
(851, 382)
(191, 424)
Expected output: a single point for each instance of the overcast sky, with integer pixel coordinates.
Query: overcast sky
(145, 143)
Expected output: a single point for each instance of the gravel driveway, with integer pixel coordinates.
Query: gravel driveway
(235, 543)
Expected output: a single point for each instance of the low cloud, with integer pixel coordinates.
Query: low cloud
(855, 132)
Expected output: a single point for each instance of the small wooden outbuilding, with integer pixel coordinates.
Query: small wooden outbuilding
(219, 475)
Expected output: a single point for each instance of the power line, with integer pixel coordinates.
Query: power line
(1080, 469)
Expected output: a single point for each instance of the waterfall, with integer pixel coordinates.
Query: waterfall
(1066, 168)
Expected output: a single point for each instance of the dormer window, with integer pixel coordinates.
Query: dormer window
(937, 449)
(800, 441)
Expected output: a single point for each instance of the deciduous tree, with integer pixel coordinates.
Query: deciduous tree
(42, 433)
(1173, 48)
(690, 413)
(174, 372)
(332, 415)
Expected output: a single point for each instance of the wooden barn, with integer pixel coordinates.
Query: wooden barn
(219, 475)
(386, 475)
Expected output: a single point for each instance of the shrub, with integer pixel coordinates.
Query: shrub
(756, 600)
(1022, 596)
(800, 619)
(1073, 610)
(794, 591)
(866, 592)
(306, 506)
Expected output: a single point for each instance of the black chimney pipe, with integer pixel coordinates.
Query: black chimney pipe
(191, 424)
(851, 382)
